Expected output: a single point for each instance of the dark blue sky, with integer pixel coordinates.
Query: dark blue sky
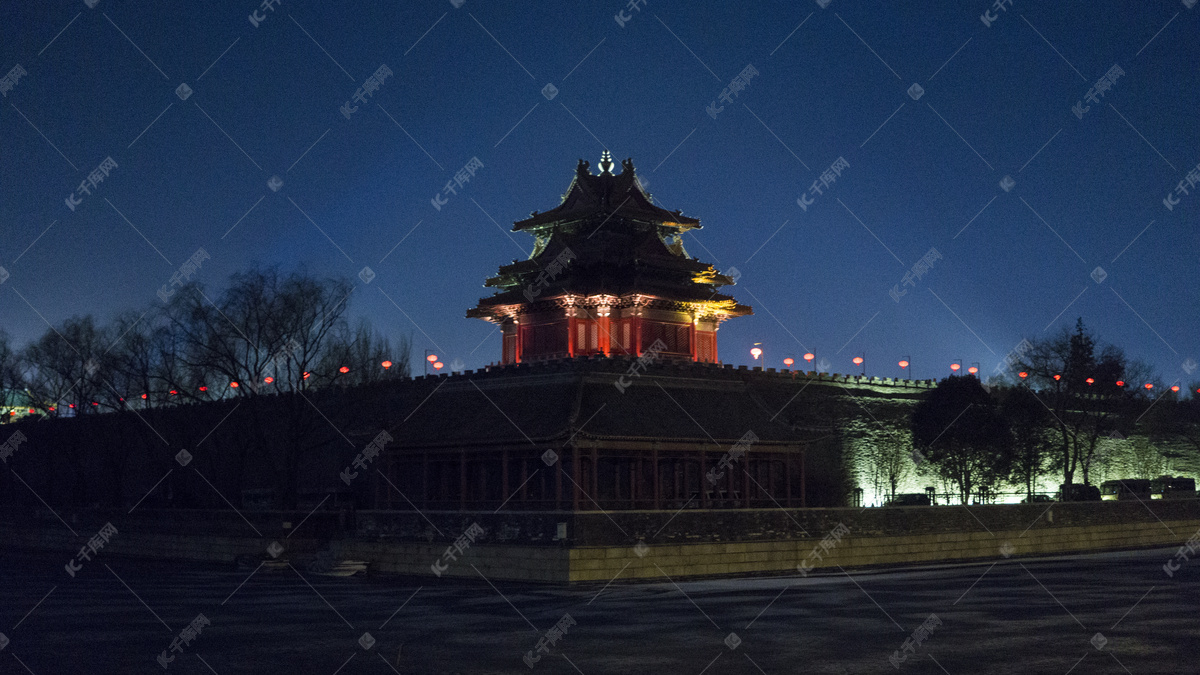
(467, 83)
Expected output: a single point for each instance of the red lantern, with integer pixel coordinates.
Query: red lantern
(344, 369)
(904, 364)
(1149, 385)
(173, 392)
(1022, 374)
(858, 360)
(203, 388)
(268, 380)
(972, 370)
(788, 361)
(1174, 388)
(143, 396)
(233, 384)
(1120, 383)
(955, 367)
(1057, 377)
(756, 352)
(387, 364)
(431, 358)
(809, 356)
(438, 365)
(1089, 381)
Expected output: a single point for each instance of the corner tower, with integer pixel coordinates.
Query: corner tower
(608, 276)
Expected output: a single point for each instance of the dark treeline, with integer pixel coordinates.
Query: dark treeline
(1065, 401)
(261, 370)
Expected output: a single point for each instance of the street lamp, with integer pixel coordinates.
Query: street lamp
(430, 357)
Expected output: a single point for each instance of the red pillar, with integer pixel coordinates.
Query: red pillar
(637, 335)
(572, 327)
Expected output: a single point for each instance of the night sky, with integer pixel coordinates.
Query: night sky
(924, 173)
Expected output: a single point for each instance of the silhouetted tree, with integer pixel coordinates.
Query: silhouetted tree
(962, 435)
(1026, 417)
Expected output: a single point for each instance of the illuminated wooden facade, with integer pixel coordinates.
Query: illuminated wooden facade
(608, 276)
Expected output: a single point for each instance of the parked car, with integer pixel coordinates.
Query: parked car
(1078, 492)
(1037, 499)
(909, 499)
(1173, 487)
(1126, 488)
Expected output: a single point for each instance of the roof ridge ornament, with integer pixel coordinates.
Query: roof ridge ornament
(606, 164)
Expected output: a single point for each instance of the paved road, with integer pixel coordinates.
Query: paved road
(1012, 616)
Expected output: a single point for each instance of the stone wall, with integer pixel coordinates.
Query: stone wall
(646, 545)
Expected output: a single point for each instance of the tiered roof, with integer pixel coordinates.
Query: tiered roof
(619, 243)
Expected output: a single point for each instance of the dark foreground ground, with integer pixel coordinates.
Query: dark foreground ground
(1014, 616)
